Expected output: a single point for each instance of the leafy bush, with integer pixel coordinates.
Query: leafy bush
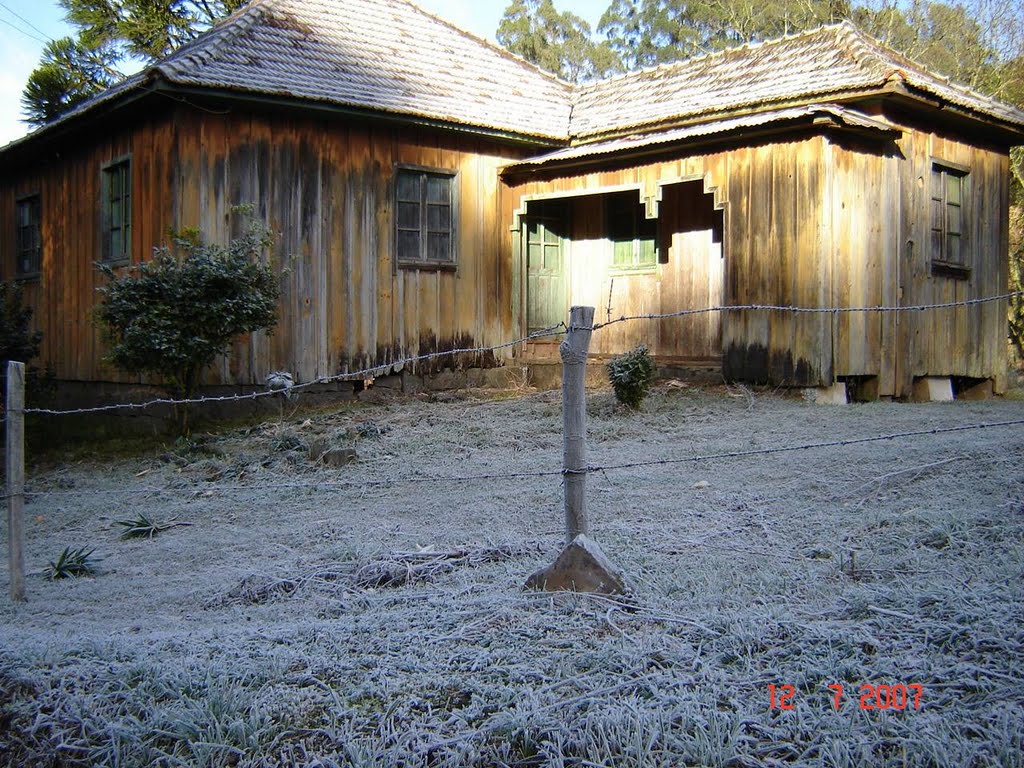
(631, 375)
(17, 340)
(172, 316)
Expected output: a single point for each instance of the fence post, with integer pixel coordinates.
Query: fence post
(573, 351)
(16, 476)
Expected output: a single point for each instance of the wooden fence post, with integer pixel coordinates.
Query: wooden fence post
(573, 351)
(16, 476)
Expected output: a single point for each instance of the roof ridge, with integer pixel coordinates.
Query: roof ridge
(904, 63)
(505, 52)
(722, 53)
(213, 41)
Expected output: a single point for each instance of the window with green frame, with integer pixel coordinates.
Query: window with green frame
(28, 246)
(948, 200)
(634, 237)
(116, 211)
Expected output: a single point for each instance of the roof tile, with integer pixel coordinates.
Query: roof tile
(815, 65)
(383, 55)
(390, 56)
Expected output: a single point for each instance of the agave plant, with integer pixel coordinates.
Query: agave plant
(144, 528)
(71, 562)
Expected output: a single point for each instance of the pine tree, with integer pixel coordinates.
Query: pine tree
(109, 33)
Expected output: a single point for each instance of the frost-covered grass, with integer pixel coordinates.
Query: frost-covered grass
(296, 622)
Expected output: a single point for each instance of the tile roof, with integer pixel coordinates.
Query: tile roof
(389, 56)
(824, 63)
(386, 55)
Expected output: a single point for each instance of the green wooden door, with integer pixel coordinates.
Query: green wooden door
(546, 282)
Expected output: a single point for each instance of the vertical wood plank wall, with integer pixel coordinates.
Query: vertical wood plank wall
(813, 221)
(881, 221)
(820, 221)
(769, 250)
(325, 188)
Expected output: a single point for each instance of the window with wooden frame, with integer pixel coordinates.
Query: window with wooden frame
(634, 237)
(116, 211)
(28, 241)
(425, 216)
(948, 203)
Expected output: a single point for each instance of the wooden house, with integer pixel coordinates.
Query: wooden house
(430, 191)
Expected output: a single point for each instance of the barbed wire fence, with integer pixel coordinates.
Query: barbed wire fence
(13, 422)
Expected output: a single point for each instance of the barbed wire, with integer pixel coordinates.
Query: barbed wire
(807, 310)
(453, 479)
(554, 330)
(789, 448)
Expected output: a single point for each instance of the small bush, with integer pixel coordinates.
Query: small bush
(142, 527)
(173, 315)
(17, 339)
(631, 375)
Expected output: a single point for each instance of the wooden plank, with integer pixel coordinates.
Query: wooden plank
(15, 459)
(383, 154)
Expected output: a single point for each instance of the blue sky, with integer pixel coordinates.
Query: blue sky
(25, 25)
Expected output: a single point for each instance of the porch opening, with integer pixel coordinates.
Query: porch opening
(627, 254)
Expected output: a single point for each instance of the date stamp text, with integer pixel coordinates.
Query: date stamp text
(870, 696)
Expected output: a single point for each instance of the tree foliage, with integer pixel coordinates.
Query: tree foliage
(648, 32)
(148, 29)
(173, 315)
(68, 74)
(558, 42)
(1016, 329)
(108, 34)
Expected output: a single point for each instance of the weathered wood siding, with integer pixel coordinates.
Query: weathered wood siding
(819, 221)
(681, 194)
(326, 188)
(738, 226)
(775, 245)
(880, 223)
(961, 341)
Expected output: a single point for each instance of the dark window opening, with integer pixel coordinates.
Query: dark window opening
(425, 218)
(29, 245)
(116, 209)
(948, 200)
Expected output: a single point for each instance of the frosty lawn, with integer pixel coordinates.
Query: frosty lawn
(369, 615)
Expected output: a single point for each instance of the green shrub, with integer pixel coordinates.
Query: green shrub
(17, 341)
(173, 315)
(631, 375)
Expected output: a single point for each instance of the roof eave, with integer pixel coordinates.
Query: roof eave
(816, 122)
(893, 89)
(156, 83)
(1004, 131)
(365, 113)
(86, 116)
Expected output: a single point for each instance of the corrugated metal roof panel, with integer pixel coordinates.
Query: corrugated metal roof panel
(838, 115)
